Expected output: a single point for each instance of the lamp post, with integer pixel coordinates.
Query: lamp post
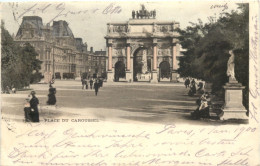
(53, 60)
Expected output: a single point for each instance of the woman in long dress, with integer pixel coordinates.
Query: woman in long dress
(34, 107)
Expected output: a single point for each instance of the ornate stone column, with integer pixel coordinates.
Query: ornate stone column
(174, 60)
(110, 73)
(128, 62)
(128, 57)
(154, 71)
(109, 57)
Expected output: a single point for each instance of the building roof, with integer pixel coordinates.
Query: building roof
(61, 29)
(31, 22)
(100, 53)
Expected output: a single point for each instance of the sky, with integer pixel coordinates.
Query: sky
(88, 20)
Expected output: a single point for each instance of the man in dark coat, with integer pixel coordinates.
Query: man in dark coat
(91, 83)
(101, 82)
(187, 83)
(34, 107)
(96, 86)
(83, 81)
(86, 83)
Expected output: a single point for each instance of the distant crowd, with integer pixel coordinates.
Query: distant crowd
(98, 83)
(9, 90)
(194, 87)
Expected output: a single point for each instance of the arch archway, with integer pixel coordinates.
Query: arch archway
(119, 70)
(141, 63)
(165, 70)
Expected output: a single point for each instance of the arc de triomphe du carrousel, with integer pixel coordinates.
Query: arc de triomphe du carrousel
(142, 49)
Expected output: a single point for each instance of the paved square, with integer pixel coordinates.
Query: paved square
(124, 102)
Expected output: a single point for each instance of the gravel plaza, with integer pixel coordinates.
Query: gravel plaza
(119, 102)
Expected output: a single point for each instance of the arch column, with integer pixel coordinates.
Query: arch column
(174, 61)
(154, 66)
(110, 73)
(128, 63)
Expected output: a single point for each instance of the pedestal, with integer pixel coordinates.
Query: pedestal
(128, 76)
(110, 76)
(154, 77)
(234, 108)
(174, 76)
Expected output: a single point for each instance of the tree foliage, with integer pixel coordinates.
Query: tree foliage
(208, 44)
(19, 65)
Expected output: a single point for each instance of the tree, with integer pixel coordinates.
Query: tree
(19, 65)
(208, 46)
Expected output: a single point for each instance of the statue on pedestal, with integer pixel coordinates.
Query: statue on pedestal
(133, 14)
(231, 66)
(155, 27)
(128, 28)
(110, 28)
(233, 108)
(137, 15)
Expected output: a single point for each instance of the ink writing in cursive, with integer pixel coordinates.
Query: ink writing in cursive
(60, 10)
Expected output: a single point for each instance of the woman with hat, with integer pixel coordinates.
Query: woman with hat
(34, 107)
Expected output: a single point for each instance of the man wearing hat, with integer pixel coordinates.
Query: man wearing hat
(34, 107)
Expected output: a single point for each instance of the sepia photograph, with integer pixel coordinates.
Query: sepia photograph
(130, 83)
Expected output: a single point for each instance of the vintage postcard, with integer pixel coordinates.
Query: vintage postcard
(130, 83)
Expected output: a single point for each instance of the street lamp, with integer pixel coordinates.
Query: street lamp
(53, 60)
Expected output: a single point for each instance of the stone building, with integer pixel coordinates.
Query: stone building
(142, 49)
(99, 63)
(60, 52)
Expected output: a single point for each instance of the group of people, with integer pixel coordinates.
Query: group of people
(203, 102)
(202, 110)
(192, 85)
(97, 84)
(31, 111)
(9, 90)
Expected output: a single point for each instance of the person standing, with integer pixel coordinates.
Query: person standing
(187, 82)
(83, 81)
(34, 107)
(193, 82)
(86, 84)
(200, 86)
(91, 83)
(96, 86)
(7, 90)
(27, 110)
(51, 96)
(101, 82)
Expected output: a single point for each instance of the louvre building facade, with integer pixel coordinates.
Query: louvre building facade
(59, 51)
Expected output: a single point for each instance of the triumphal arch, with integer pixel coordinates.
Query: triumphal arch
(142, 49)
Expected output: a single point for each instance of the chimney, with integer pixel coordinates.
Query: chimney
(91, 49)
